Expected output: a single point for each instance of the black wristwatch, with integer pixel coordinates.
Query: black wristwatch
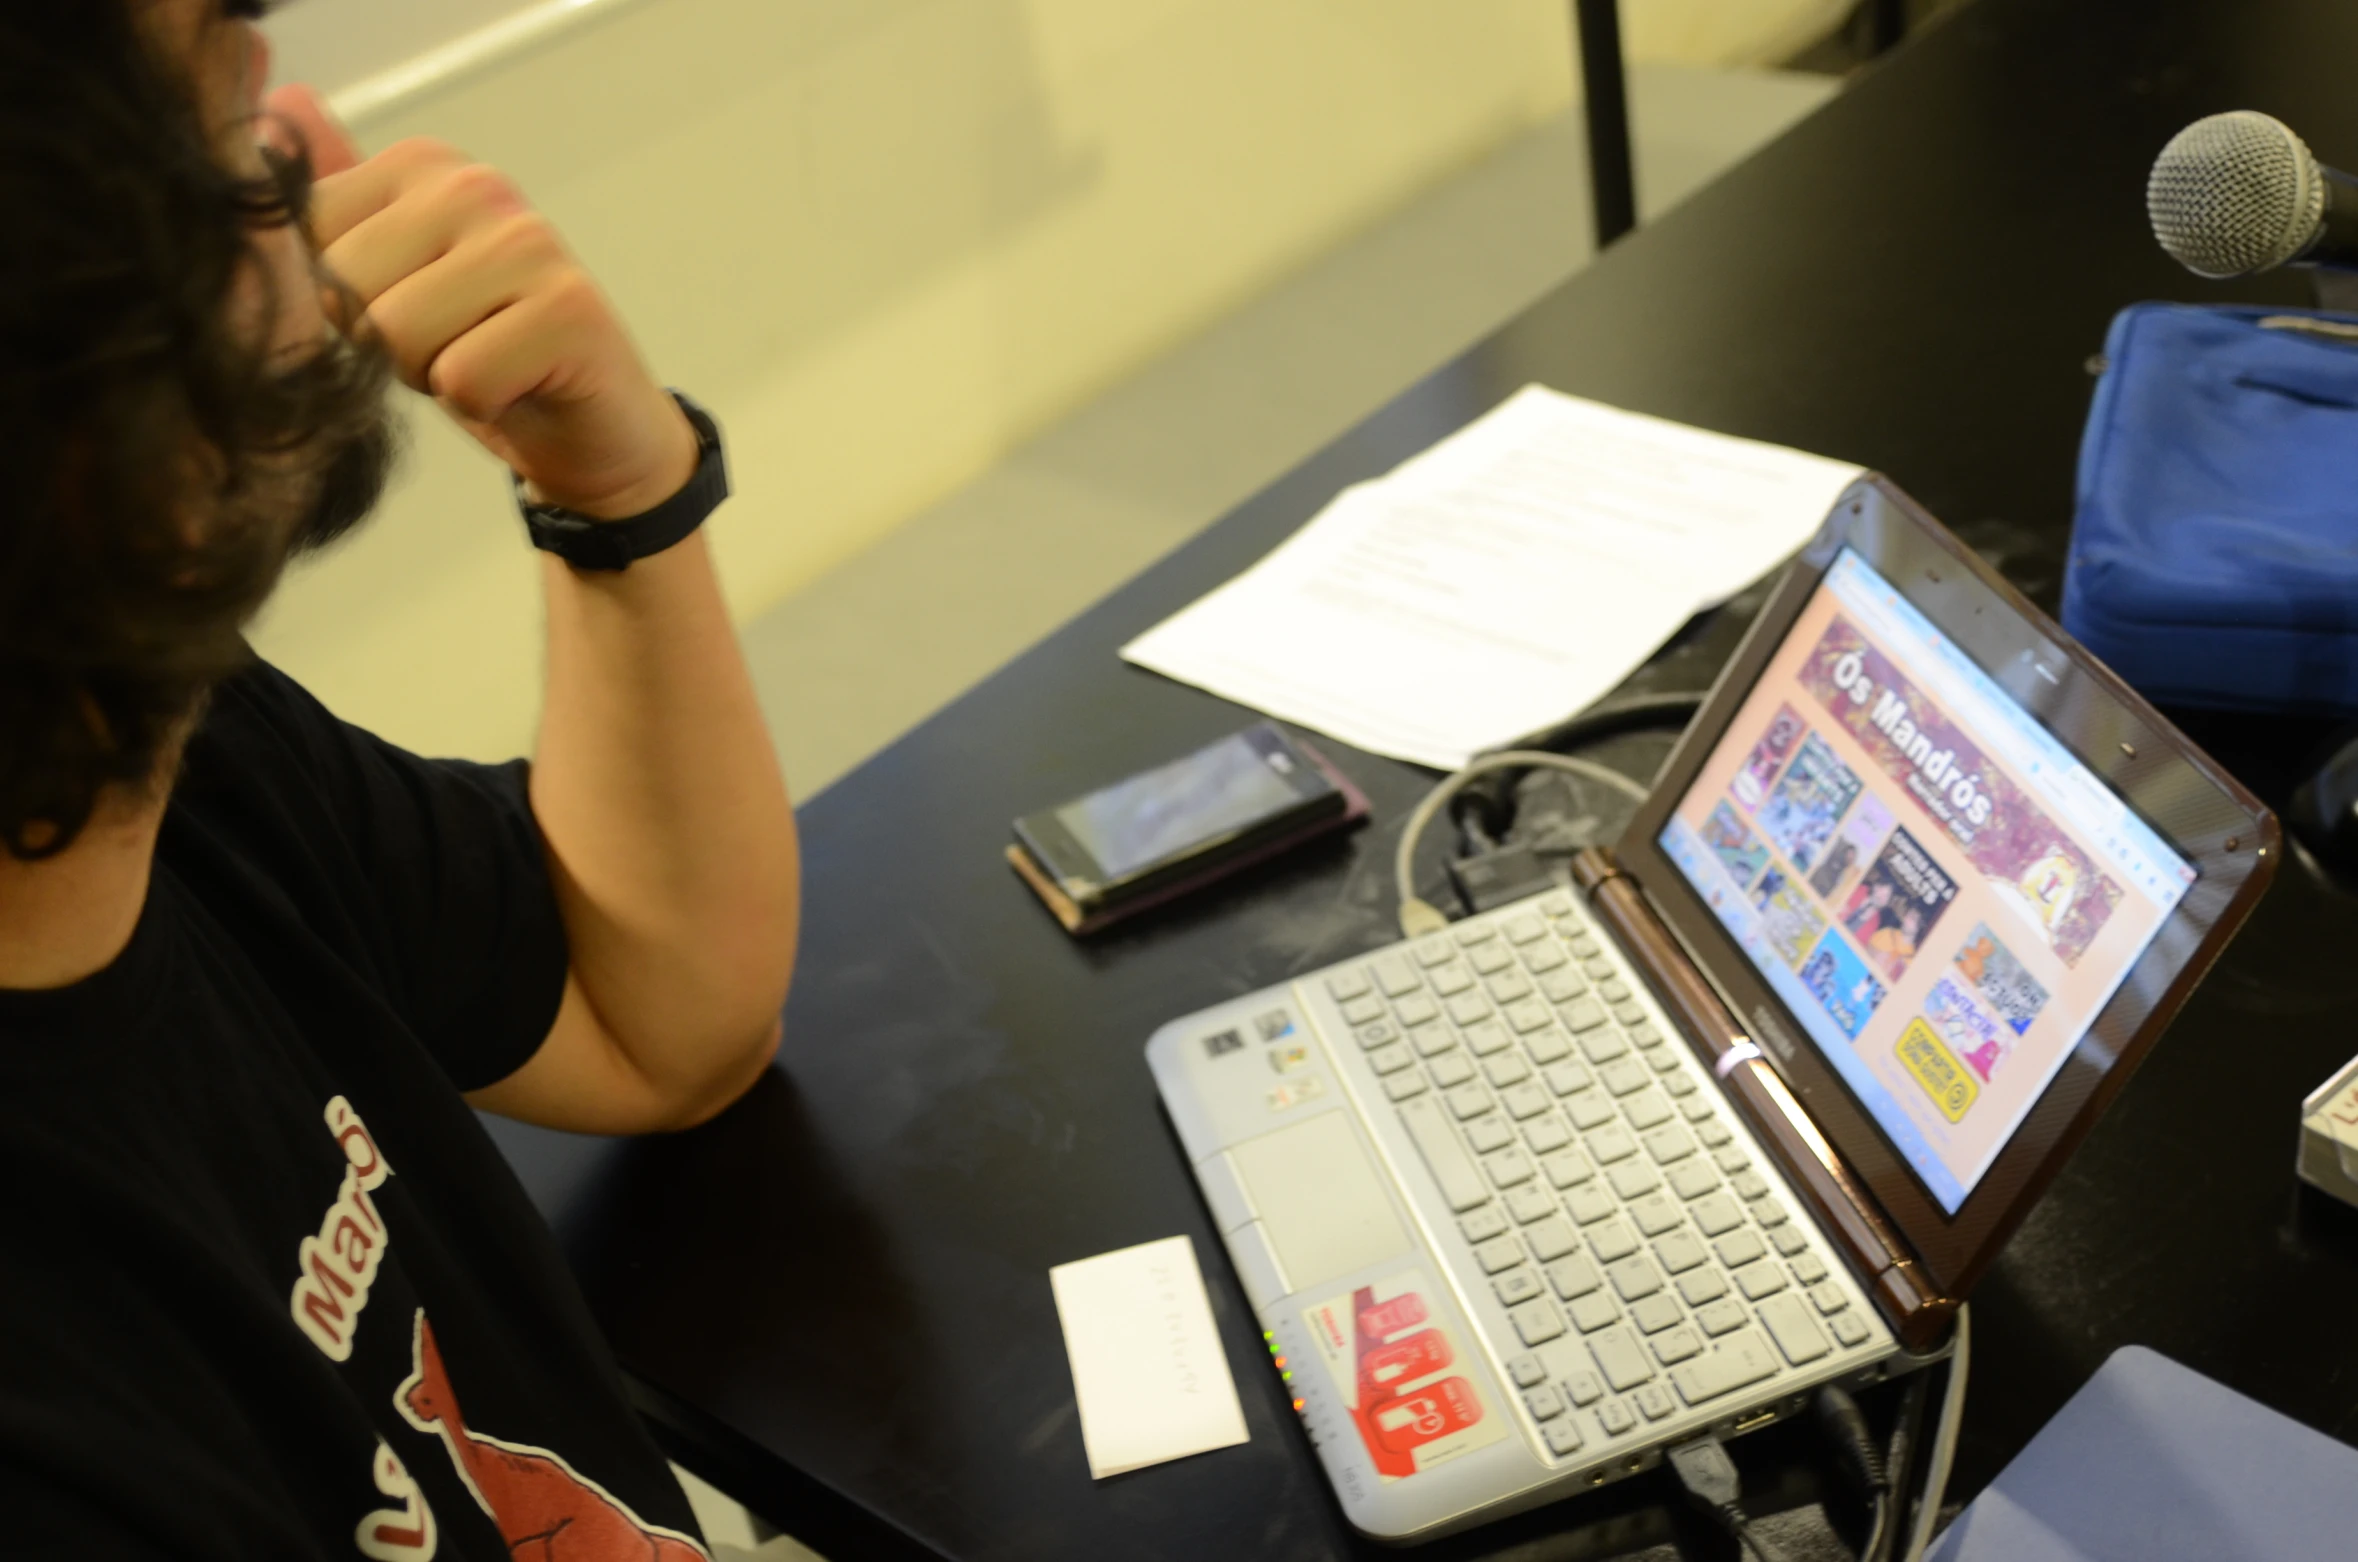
(588, 543)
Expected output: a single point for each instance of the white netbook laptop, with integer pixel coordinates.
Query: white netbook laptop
(1526, 1202)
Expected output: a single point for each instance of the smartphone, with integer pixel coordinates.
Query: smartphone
(1165, 830)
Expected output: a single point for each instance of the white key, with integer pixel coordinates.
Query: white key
(1739, 1361)
(1567, 1078)
(1796, 1332)
(1530, 1202)
(1537, 1321)
(1483, 1224)
(1723, 1316)
(1741, 1248)
(1508, 1068)
(1452, 1168)
(1552, 1237)
(1679, 1252)
(1573, 1277)
(1486, 1134)
(1589, 1110)
(1650, 1110)
(1670, 1144)
(1507, 1167)
(1527, 1014)
(1613, 1241)
(1487, 1036)
(1716, 1214)
(1546, 1134)
(1496, 1254)
(1468, 1101)
(1432, 1040)
(1635, 1277)
(1566, 1167)
(1620, 1358)
(1677, 1345)
(1516, 1285)
(1702, 1285)
(1611, 1143)
(1524, 1101)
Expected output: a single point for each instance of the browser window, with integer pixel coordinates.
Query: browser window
(1940, 893)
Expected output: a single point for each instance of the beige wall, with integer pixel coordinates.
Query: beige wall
(886, 239)
(1725, 32)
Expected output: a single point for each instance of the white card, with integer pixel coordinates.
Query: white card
(1148, 1370)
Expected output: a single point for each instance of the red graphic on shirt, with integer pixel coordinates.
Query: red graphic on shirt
(545, 1510)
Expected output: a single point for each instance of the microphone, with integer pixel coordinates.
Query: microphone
(2239, 193)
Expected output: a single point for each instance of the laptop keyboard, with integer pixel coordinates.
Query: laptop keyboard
(1644, 1261)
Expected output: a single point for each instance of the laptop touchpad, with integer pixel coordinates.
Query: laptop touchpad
(1322, 1204)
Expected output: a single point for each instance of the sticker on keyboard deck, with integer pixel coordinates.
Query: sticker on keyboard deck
(1394, 1365)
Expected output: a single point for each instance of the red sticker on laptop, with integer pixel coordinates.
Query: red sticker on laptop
(1394, 1368)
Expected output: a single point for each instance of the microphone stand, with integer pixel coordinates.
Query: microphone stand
(2323, 813)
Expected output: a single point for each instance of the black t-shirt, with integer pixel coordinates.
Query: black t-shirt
(266, 1288)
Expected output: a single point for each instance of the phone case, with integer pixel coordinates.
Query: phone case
(1081, 923)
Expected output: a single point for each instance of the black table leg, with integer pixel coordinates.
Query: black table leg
(1605, 87)
(1887, 23)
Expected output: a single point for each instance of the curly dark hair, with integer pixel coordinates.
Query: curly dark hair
(158, 464)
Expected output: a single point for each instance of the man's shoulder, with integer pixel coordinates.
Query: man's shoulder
(260, 706)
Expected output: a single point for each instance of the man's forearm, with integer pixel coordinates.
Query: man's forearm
(669, 835)
(669, 831)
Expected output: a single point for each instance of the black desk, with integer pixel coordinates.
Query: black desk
(836, 1295)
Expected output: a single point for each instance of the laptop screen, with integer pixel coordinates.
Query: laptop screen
(1942, 896)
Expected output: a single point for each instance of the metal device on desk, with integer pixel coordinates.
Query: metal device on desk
(1525, 1203)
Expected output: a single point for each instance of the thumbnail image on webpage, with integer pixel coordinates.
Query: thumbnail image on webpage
(1929, 914)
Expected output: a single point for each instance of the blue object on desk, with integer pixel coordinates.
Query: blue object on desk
(2214, 550)
(2153, 1462)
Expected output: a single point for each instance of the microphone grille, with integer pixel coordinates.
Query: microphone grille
(2234, 194)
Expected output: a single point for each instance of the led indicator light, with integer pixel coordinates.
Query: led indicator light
(1298, 1407)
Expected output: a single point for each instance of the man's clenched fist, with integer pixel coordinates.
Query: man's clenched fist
(482, 308)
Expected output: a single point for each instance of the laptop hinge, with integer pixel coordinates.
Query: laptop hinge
(1916, 1309)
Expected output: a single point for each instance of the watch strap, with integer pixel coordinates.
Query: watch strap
(592, 544)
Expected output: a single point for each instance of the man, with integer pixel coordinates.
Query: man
(269, 1291)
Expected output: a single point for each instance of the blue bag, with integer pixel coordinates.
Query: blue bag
(2214, 554)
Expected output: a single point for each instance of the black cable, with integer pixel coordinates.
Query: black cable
(1487, 804)
(1899, 1464)
(1709, 1475)
(1846, 1426)
(1473, 811)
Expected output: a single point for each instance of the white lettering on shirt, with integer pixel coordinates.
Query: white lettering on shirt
(403, 1534)
(334, 1269)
